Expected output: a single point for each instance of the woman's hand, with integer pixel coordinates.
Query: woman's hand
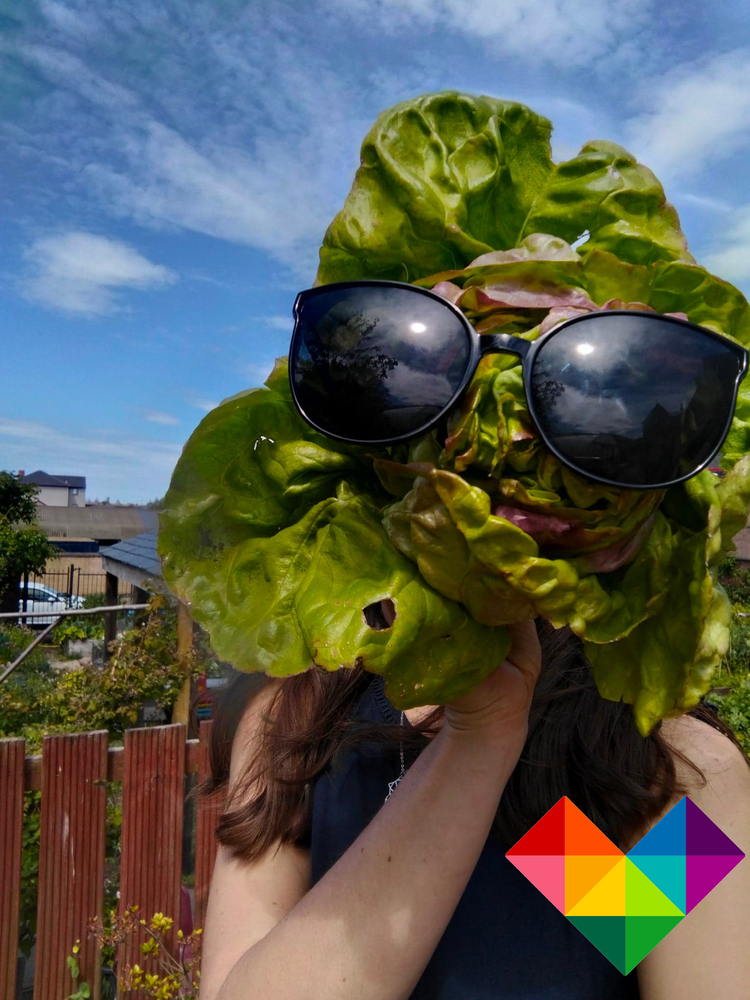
(502, 701)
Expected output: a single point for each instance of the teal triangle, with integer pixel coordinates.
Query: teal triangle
(607, 934)
(667, 872)
(667, 837)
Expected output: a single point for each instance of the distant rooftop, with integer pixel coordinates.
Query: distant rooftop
(105, 522)
(138, 551)
(40, 478)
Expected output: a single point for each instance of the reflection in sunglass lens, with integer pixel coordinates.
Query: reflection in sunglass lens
(636, 400)
(375, 363)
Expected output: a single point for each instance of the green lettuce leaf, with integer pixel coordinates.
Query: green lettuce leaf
(280, 538)
(272, 534)
(447, 177)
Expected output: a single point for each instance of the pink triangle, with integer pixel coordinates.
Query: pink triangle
(546, 872)
(704, 872)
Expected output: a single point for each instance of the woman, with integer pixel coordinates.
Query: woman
(399, 912)
(287, 522)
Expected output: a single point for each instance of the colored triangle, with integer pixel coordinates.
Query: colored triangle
(607, 934)
(643, 898)
(667, 871)
(546, 872)
(584, 837)
(642, 934)
(582, 872)
(704, 872)
(547, 835)
(607, 898)
(668, 836)
(704, 836)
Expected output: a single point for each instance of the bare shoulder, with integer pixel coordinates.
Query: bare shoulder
(708, 748)
(725, 794)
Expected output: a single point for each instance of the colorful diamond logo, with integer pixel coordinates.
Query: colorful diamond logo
(625, 904)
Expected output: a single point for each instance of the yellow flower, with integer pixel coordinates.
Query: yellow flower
(161, 923)
(76, 948)
(179, 935)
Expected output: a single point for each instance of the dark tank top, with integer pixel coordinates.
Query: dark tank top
(505, 940)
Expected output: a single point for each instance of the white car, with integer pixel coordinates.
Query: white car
(40, 597)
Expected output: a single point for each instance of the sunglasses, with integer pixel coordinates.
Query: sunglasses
(631, 399)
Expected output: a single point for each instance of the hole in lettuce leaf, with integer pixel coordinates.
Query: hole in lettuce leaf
(380, 615)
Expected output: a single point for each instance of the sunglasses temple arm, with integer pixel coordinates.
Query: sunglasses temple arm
(503, 343)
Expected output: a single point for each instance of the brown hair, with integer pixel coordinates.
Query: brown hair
(579, 745)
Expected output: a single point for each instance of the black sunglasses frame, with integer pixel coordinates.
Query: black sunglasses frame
(506, 343)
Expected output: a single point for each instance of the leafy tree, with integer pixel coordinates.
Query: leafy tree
(24, 547)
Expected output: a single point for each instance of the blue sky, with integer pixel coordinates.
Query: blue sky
(169, 169)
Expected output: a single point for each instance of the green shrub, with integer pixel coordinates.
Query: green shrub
(735, 580)
(14, 639)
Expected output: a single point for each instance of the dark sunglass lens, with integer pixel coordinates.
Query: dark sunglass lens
(634, 399)
(372, 363)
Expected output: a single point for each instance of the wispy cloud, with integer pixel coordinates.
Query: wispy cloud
(731, 258)
(82, 273)
(257, 371)
(561, 32)
(128, 468)
(694, 115)
(277, 322)
(251, 154)
(705, 202)
(160, 417)
(204, 404)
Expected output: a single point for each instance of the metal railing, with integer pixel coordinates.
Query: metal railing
(111, 609)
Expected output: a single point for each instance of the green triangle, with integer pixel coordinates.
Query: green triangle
(607, 934)
(643, 898)
(642, 934)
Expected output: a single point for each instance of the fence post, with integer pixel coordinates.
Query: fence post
(181, 708)
(11, 838)
(71, 860)
(153, 784)
(110, 617)
(71, 574)
(209, 810)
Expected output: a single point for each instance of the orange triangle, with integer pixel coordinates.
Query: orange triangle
(582, 872)
(584, 837)
(606, 898)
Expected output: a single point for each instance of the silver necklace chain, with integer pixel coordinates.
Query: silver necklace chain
(392, 784)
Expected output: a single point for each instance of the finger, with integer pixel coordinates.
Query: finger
(525, 651)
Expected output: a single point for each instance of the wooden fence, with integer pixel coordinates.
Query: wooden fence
(72, 774)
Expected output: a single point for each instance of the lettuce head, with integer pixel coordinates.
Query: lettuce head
(286, 543)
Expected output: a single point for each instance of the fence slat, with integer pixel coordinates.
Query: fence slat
(209, 810)
(71, 860)
(152, 801)
(11, 830)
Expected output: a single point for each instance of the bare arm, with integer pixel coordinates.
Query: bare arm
(708, 953)
(370, 925)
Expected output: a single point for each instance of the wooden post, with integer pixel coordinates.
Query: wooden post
(181, 709)
(110, 617)
(71, 860)
(206, 845)
(151, 859)
(11, 831)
